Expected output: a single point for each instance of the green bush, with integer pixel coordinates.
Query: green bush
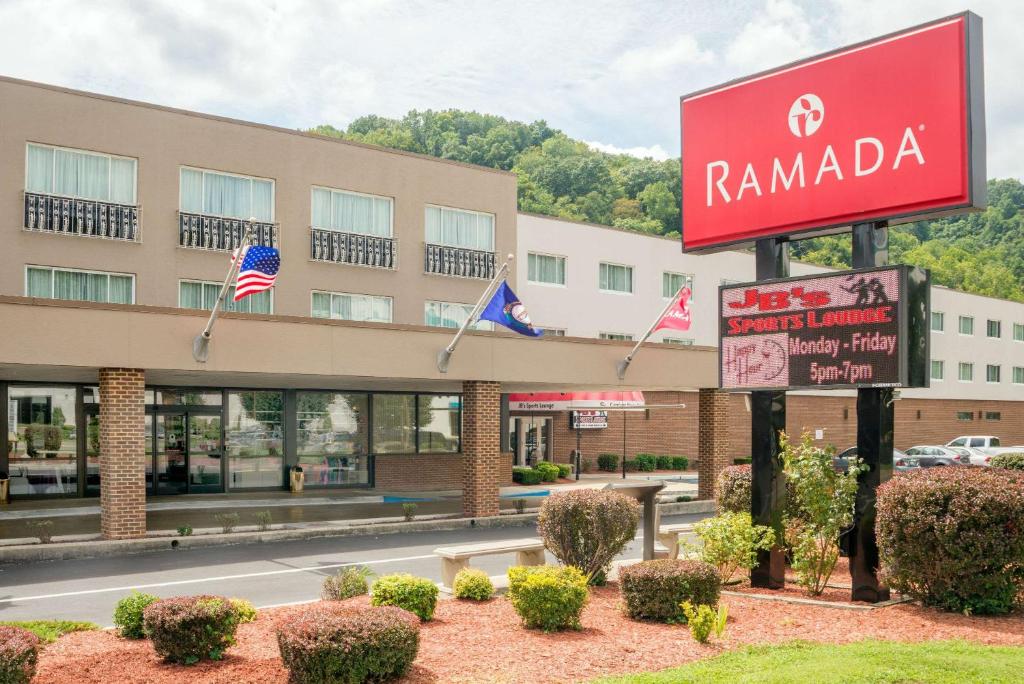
(703, 620)
(245, 611)
(631, 465)
(664, 462)
(548, 471)
(548, 597)
(646, 462)
(227, 521)
(1008, 461)
(184, 530)
(19, 653)
(49, 631)
(263, 520)
(609, 463)
(655, 589)
(680, 463)
(472, 584)
(587, 528)
(564, 470)
(188, 629)
(128, 615)
(409, 511)
(325, 645)
(526, 476)
(730, 541)
(743, 460)
(954, 537)
(350, 581)
(414, 594)
(732, 489)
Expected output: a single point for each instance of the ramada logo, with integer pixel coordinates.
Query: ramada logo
(805, 115)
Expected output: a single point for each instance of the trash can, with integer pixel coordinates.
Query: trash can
(5, 488)
(297, 479)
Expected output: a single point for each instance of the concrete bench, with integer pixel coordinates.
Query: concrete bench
(669, 536)
(528, 551)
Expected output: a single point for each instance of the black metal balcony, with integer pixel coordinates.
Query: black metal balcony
(91, 218)
(458, 261)
(215, 232)
(352, 248)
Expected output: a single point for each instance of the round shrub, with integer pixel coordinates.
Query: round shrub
(472, 584)
(328, 644)
(664, 462)
(548, 471)
(548, 597)
(564, 470)
(188, 629)
(350, 581)
(733, 489)
(587, 528)
(245, 611)
(19, 653)
(954, 537)
(655, 589)
(415, 594)
(608, 462)
(128, 615)
(526, 476)
(680, 463)
(1008, 461)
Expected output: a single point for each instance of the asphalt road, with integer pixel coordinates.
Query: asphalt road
(266, 574)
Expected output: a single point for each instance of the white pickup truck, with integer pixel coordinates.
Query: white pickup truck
(983, 447)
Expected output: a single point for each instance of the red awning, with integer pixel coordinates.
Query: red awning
(568, 401)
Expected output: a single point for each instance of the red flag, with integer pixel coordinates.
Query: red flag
(678, 315)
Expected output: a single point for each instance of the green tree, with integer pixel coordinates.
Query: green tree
(660, 204)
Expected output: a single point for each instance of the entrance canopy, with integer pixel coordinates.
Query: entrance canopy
(568, 401)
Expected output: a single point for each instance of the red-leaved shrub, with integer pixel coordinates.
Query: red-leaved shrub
(336, 644)
(954, 537)
(654, 589)
(732, 489)
(188, 629)
(19, 652)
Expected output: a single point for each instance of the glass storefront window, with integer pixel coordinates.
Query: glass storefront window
(394, 423)
(42, 438)
(185, 397)
(331, 441)
(439, 423)
(253, 437)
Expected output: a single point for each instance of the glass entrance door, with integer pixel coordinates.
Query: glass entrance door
(188, 453)
(204, 454)
(171, 454)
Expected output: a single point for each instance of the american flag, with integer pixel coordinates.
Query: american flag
(257, 272)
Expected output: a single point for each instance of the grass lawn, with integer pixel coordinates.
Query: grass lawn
(874, 662)
(49, 631)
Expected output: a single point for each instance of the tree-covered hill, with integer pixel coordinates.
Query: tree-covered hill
(981, 252)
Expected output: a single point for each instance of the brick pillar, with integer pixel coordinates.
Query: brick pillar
(712, 439)
(481, 448)
(122, 453)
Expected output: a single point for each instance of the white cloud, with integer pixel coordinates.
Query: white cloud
(656, 152)
(658, 59)
(780, 33)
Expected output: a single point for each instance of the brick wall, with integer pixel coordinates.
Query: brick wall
(122, 453)
(483, 464)
(714, 407)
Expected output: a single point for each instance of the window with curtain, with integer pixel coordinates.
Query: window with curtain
(198, 294)
(352, 307)
(80, 174)
(449, 315)
(684, 341)
(460, 228)
(994, 329)
(671, 282)
(966, 371)
(938, 369)
(967, 325)
(545, 268)
(992, 373)
(1018, 332)
(350, 212)
(1018, 375)
(615, 278)
(620, 337)
(226, 195)
(938, 321)
(83, 286)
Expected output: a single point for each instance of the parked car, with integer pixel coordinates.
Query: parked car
(939, 456)
(900, 461)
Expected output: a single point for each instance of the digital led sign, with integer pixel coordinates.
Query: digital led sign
(862, 328)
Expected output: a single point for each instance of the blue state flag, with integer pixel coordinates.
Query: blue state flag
(506, 309)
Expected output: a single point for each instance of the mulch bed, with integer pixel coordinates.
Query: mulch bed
(468, 642)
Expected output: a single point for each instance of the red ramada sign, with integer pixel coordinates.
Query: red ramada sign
(891, 129)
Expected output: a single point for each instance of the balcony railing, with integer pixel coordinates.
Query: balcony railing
(214, 232)
(352, 248)
(52, 214)
(458, 261)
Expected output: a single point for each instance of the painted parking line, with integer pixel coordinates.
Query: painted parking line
(199, 580)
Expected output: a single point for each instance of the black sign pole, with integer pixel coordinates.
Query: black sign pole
(875, 419)
(767, 420)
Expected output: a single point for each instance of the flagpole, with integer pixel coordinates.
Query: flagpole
(445, 355)
(201, 342)
(624, 363)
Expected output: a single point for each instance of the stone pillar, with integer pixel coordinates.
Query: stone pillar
(122, 453)
(481, 448)
(712, 439)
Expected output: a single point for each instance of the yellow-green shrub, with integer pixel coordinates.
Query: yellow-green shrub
(472, 584)
(548, 597)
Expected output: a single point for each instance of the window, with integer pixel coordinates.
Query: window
(545, 268)
(967, 325)
(1018, 332)
(226, 195)
(553, 332)
(332, 440)
(671, 282)
(994, 329)
(992, 373)
(394, 423)
(966, 372)
(79, 286)
(352, 212)
(1018, 375)
(253, 439)
(351, 307)
(460, 228)
(615, 278)
(993, 415)
(938, 321)
(449, 315)
(938, 369)
(621, 337)
(196, 294)
(685, 341)
(439, 423)
(79, 174)
(43, 454)
(965, 415)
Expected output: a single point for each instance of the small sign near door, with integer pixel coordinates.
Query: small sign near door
(589, 420)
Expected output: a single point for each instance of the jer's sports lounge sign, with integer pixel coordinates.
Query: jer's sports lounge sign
(864, 328)
(891, 129)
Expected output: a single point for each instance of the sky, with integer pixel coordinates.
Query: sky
(604, 71)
